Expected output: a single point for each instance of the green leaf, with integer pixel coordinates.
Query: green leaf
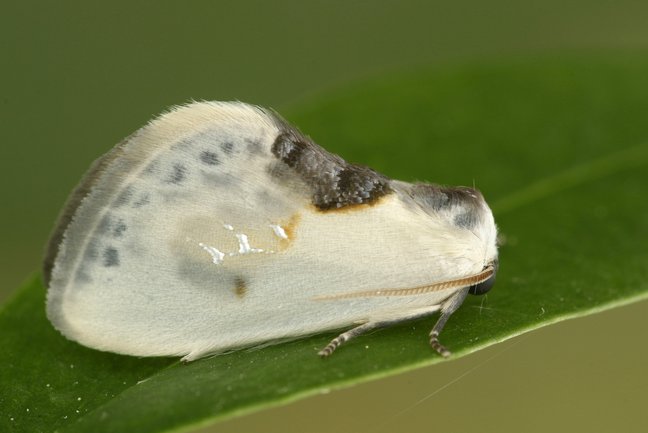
(560, 150)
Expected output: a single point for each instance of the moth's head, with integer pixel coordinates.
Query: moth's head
(463, 210)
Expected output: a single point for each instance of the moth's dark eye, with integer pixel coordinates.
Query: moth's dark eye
(484, 286)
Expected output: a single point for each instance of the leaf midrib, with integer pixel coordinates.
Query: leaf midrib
(572, 177)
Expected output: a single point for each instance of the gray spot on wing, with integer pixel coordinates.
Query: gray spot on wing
(204, 275)
(178, 174)
(209, 158)
(105, 224)
(254, 147)
(91, 252)
(152, 167)
(227, 147)
(143, 200)
(220, 180)
(334, 183)
(209, 139)
(110, 257)
(81, 276)
(119, 228)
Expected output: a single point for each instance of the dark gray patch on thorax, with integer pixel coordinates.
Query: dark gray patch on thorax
(334, 183)
(439, 197)
(463, 206)
(466, 220)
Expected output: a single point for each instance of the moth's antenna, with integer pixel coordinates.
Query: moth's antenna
(470, 280)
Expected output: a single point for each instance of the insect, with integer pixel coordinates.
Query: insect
(219, 226)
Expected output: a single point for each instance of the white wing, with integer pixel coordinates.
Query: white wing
(217, 225)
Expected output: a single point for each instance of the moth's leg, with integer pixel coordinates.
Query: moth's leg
(449, 306)
(370, 326)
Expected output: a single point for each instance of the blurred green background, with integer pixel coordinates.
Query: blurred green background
(78, 77)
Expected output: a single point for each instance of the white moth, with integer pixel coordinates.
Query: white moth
(219, 226)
